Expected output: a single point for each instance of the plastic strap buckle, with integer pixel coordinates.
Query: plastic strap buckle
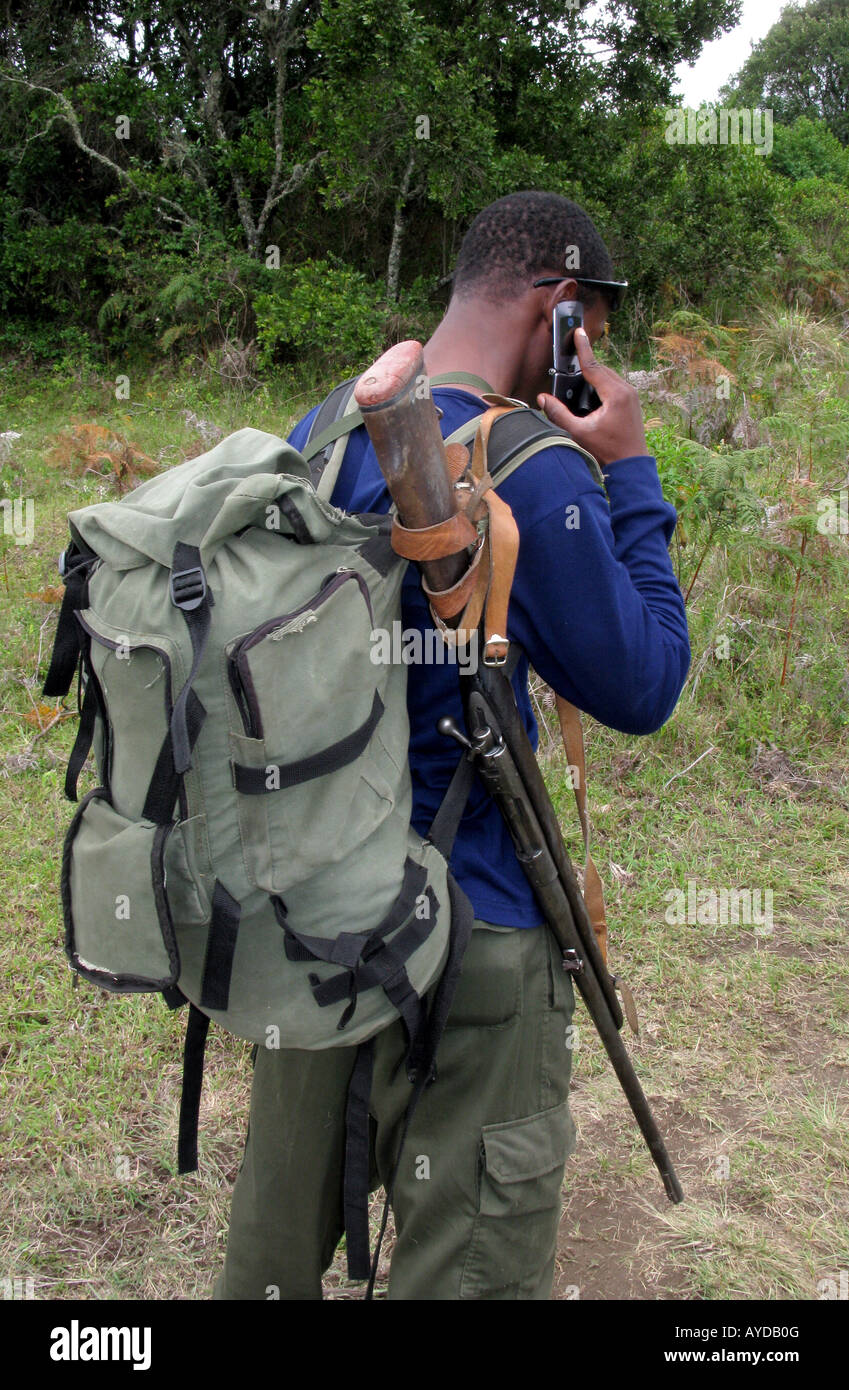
(188, 588)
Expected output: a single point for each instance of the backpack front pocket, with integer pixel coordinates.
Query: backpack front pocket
(124, 886)
(309, 782)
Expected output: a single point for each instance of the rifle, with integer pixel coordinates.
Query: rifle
(404, 430)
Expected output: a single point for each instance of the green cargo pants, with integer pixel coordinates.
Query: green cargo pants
(477, 1198)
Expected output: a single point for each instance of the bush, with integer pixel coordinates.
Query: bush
(815, 216)
(694, 219)
(323, 310)
(808, 149)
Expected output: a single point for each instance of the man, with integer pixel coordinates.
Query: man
(598, 613)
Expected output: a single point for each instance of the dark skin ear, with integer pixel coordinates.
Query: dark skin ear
(539, 355)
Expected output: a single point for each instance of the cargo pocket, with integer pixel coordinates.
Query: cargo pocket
(309, 783)
(124, 886)
(520, 1178)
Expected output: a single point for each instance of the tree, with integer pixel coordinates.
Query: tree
(206, 89)
(513, 95)
(399, 124)
(801, 67)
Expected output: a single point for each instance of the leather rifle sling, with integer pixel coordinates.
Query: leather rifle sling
(572, 732)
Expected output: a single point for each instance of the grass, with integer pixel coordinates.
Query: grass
(744, 1042)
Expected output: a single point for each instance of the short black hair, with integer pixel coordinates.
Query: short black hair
(523, 236)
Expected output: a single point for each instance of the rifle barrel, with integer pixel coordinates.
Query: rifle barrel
(518, 805)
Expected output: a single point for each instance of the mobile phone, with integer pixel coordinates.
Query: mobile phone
(569, 384)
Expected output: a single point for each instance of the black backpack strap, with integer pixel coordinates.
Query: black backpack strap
(356, 1175)
(220, 948)
(194, 1049)
(327, 426)
(92, 705)
(522, 429)
(190, 594)
(512, 433)
(75, 565)
(165, 782)
(421, 1056)
(421, 1065)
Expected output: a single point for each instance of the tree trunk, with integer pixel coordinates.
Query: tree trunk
(393, 266)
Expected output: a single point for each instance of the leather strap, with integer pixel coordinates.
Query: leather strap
(447, 603)
(433, 542)
(572, 732)
(491, 596)
(483, 592)
(457, 458)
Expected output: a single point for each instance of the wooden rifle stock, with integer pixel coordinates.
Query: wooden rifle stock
(403, 426)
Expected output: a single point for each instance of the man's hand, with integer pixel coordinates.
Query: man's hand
(613, 431)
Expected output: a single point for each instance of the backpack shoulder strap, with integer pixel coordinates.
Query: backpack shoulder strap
(331, 422)
(518, 435)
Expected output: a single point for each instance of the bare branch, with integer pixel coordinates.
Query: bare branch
(71, 120)
(294, 181)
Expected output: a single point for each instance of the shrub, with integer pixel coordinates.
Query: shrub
(323, 309)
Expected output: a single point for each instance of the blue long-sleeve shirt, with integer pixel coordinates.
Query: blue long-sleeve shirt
(595, 608)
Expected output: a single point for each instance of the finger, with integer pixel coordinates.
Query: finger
(557, 412)
(586, 356)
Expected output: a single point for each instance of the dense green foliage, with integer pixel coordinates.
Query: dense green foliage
(276, 199)
(285, 179)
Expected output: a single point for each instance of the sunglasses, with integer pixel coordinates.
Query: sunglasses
(612, 290)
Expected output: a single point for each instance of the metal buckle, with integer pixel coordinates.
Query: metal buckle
(572, 961)
(495, 660)
(188, 588)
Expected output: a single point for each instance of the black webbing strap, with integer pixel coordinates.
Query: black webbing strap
(368, 958)
(446, 822)
(321, 434)
(220, 947)
(300, 531)
(346, 948)
(514, 432)
(194, 1048)
(189, 593)
(377, 550)
(382, 967)
(389, 971)
(399, 989)
(355, 1183)
(462, 920)
(67, 642)
(165, 783)
(421, 1063)
(83, 740)
(253, 781)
